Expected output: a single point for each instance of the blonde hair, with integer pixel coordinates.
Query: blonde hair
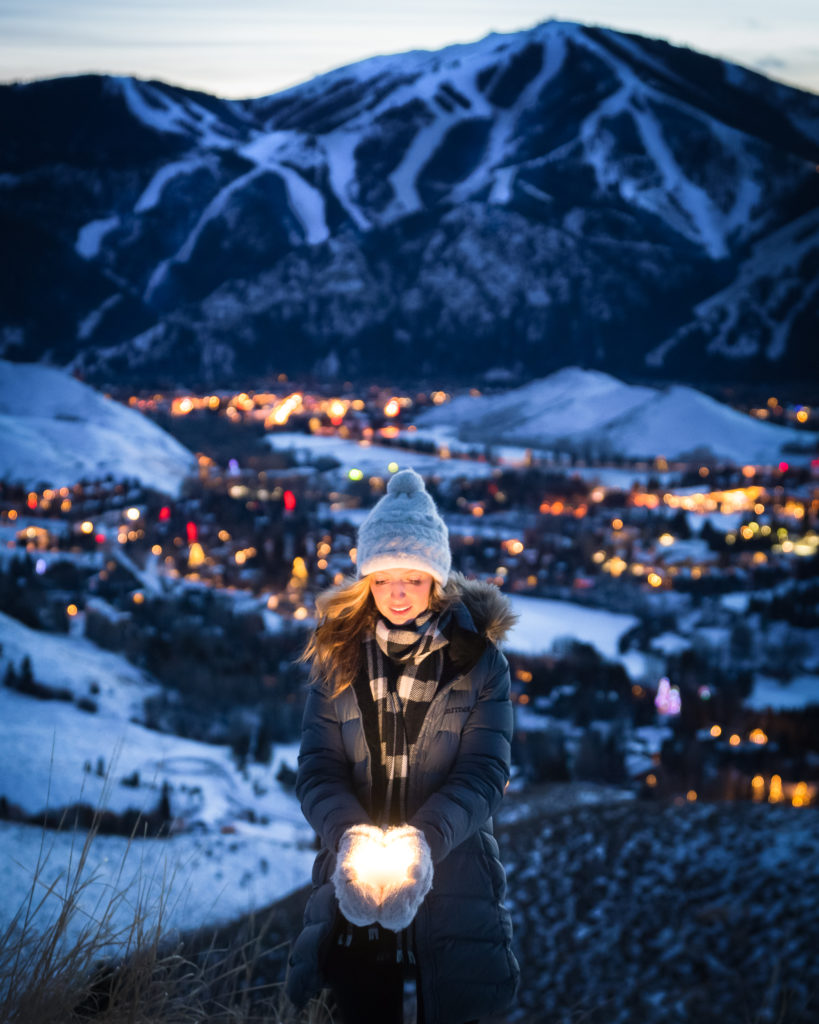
(346, 613)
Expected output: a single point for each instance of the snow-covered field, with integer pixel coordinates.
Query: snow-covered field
(57, 430)
(594, 411)
(374, 459)
(541, 622)
(795, 694)
(197, 879)
(242, 839)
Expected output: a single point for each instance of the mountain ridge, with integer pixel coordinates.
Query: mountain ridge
(494, 202)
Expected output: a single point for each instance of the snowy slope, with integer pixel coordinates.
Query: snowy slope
(796, 694)
(466, 83)
(589, 411)
(375, 459)
(57, 430)
(541, 622)
(653, 912)
(220, 866)
(563, 192)
(776, 287)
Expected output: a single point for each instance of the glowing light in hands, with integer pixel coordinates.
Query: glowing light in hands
(381, 861)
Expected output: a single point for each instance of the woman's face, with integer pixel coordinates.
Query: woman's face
(401, 594)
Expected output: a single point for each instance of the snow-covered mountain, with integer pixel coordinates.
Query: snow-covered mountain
(561, 195)
(593, 413)
(56, 430)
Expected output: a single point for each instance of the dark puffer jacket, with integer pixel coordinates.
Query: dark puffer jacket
(463, 932)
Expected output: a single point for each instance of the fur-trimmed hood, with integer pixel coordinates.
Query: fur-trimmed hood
(489, 608)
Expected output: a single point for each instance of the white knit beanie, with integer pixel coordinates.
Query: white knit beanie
(404, 531)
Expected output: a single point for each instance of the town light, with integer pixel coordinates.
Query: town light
(336, 410)
(667, 701)
(284, 410)
(615, 566)
(196, 555)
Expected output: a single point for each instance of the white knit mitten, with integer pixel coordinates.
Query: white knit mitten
(400, 900)
(357, 900)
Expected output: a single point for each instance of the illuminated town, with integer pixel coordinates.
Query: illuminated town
(264, 528)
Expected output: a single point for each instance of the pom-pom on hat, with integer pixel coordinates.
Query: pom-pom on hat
(404, 531)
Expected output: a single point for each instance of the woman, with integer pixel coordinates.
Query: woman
(406, 743)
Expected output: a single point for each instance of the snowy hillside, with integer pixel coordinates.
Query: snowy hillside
(57, 430)
(240, 841)
(775, 289)
(563, 190)
(593, 413)
(664, 913)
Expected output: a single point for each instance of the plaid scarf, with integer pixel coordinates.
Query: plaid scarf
(404, 664)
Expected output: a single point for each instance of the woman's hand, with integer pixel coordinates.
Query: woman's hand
(400, 903)
(357, 898)
(381, 875)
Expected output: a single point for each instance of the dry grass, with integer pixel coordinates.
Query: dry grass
(61, 963)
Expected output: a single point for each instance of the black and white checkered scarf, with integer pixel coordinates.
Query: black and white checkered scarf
(404, 664)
